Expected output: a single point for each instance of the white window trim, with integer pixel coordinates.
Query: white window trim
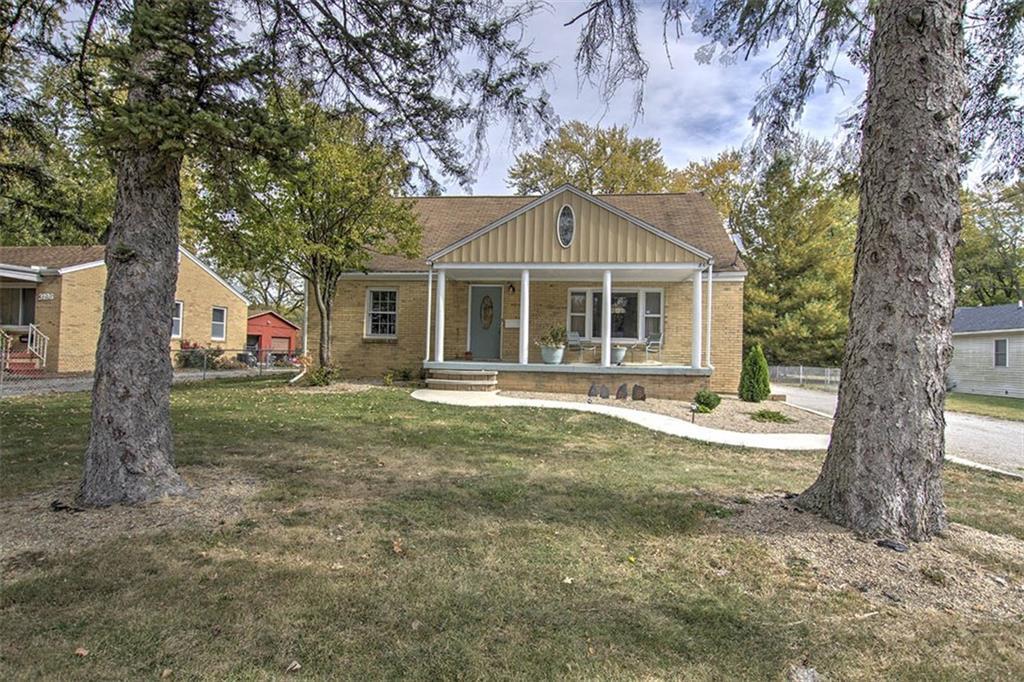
(1006, 341)
(219, 338)
(366, 313)
(181, 320)
(641, 325)
(558, 230)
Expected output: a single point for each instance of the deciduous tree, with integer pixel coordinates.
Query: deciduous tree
(990, 256)
(595, 159)
(329, 215)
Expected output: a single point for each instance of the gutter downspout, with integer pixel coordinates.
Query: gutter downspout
(305, 328)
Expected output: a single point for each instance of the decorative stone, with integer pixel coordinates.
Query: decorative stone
(622, 393)
(639, 393)
(592, 393)
(604, 392)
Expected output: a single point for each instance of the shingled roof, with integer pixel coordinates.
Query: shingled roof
(988, 318)
(690, 217)
(50, 257)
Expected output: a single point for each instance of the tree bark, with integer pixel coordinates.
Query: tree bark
(324, 306)
(130, 456)
(882, 474)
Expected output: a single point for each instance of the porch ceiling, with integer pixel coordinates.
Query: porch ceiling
(544, 272)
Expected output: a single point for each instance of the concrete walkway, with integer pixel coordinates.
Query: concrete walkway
(970, 439)
(650, 420)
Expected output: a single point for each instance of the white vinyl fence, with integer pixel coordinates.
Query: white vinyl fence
(800, 374)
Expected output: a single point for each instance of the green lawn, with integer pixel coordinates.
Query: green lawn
(389, 538)
(987, 405)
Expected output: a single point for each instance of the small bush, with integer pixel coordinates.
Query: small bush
(322, 376)
(194, 356)
(229, 363)
(771, 416)
(754, 384)
(707, 399)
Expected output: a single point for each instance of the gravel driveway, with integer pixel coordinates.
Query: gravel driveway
(992, 442)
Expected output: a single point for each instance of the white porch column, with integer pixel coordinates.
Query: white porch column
(707, 341)
(606, 320)
(439, 324)
(524, 317)
(430, 289)
(698, 329)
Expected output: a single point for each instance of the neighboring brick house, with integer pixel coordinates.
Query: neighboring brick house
(670, 267)
(51, 302)
(988, 350)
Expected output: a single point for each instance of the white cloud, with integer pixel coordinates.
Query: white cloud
(695, 110)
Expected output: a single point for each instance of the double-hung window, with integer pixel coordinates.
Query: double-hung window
(1000, 352)
(636, 313)
(219, 324)
(176, 318)
(381, 313)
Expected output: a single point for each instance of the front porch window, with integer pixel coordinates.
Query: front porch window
(636, 313)
(17, 306)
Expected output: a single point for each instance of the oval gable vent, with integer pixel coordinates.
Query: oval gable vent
(566, 226)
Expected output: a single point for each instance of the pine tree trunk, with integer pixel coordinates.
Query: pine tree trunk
(882, 475)
(130, 456)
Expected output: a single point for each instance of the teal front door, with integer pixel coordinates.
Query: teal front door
(485, 322)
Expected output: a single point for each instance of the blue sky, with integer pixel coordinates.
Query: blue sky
(695, 110)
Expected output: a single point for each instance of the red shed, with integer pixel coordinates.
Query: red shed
(268, 331)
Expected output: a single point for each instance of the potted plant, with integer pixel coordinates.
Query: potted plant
(552, 345)
(618, 354)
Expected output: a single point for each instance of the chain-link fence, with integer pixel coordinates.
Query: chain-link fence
(799, 374)
(24, 372)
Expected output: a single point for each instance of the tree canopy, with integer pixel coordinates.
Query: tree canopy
(990, 256)
(595, 159)
(331, 213)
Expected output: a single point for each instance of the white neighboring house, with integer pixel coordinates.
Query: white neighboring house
(988, 350)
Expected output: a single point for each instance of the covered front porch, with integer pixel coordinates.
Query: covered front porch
(490, 317)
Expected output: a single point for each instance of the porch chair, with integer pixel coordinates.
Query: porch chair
(577, 343)
(652, 344)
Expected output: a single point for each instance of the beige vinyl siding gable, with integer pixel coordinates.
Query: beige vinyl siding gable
(601, 236)
(973, 366)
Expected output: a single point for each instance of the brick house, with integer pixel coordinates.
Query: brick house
(649, 286)
(51, 302)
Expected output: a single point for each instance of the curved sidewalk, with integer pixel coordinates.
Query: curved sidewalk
(656, 422)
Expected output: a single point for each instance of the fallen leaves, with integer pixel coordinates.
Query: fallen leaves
(293, 667)
(81, 652)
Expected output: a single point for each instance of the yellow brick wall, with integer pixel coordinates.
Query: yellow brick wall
(366, 358)
(726, 336)
(48, 318)
(199, 292)
(80, 312)
(359, 357)
(655, 386)
(81, 309)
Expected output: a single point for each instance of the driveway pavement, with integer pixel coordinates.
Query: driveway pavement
(983, 440)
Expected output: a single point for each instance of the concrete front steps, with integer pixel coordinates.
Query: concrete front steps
(463, 380)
